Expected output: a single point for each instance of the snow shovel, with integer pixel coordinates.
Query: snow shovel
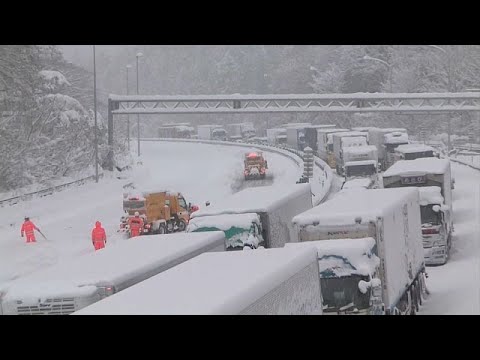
(42, 235)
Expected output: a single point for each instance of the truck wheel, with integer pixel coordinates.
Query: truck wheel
(182, 225)
(161, 229)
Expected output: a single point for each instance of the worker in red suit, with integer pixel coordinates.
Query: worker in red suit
(136, 225)
(99, 237)
(28, 228)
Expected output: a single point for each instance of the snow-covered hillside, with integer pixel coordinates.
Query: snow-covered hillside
(201, 172)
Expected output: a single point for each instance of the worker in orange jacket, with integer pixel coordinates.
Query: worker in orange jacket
(28, 228)
(136, 225)
(99, 237)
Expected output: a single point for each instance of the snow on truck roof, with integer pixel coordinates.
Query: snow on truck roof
(214, 283)
(343, 257)
(255, 199)
(430, 195)
(360, 149)
(350, 133)
(223, 222)
(413, 148)
(356, 184)
(361, 162)
(346, 207)
(396, 138)
(418, 166)
(330, 131)
(111, 265)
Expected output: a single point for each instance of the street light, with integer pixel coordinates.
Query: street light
(366, 57)
(128, 116)
(95, 111)
(450, 88)
(139, 54)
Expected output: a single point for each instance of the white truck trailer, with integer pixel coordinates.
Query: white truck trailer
(263, 282)
(325, 144)
(211, 132)
(70, 286)
(343, 140)
(433, 177)
(360, 276)
(244, 130)
(256, 216)
(414, 151)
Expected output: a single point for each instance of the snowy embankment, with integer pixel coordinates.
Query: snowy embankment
(201, 172)
(455, 286)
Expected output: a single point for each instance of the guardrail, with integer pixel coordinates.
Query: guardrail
(46, 192)
(282, 150)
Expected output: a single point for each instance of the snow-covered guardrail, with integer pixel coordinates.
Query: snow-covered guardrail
(464, 163)
(45, 192)
(321, 185)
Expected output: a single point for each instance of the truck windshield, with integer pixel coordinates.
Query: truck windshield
(417, 155)
(219, 132)
(133, 204)
(330, 148)
(360, 170)
(392, 147)
(339, 292)
(429, 216)
(182, 202)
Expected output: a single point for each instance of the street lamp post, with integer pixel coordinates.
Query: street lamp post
(95, 111)
(451, 88)
(139, 54)
(389, 66)
(128, 116)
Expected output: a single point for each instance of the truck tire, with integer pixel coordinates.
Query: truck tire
(161, 229)
(182, 225)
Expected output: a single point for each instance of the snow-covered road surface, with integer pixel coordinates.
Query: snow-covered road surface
(201, 172)
(455, 286)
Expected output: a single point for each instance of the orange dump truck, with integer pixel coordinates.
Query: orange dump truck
(255, 166)
(162, 211)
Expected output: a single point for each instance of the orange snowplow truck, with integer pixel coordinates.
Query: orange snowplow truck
(162, 212)
(255, 166)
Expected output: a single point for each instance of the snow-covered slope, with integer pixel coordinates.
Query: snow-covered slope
(201, 172)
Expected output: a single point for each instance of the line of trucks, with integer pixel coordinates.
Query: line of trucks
(359, 253)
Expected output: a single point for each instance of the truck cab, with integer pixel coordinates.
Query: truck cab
(366, 170)
(241, 230)
(413, 151)
(391, 142)
(255, 166)
(219, 134)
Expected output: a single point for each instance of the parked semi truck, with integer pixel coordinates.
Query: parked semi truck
(361, 162)
(296, 137)
(391, 142)
(433, 177)
(376, 136)
(343, 140)
(211, 132)
(266, 215)
(162, 211)
(263, 282)
(369, 249)
(325, 145)
(70, 286)
(277, 136)
(243, 130)
(311, 135)
(182, 131)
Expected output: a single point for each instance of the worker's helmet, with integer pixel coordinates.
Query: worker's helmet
(137, 213)
(27, 218)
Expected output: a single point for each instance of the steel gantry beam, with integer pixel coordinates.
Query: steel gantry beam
(400, 103)
(358, 102)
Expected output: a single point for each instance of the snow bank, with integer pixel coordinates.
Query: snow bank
(413, 148)
(111, 266)
(344, 257)
(346, 207)
(214, 283)
(223, 222)
(430, 195)
(418, 166)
